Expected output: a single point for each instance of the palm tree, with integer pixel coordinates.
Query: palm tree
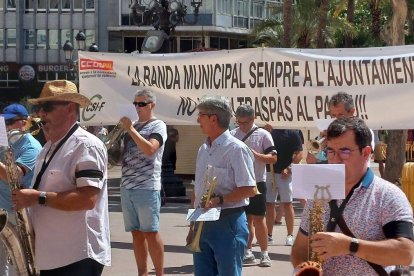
(287, 22)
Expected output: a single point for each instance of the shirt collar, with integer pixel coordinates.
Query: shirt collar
(367, 179)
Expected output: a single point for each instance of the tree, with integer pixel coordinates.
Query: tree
(323, 18)
(393, 34)
(287, 23)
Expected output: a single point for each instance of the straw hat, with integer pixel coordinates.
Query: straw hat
(61, 90)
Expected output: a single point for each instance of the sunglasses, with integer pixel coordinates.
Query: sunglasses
(141, 104)
(49, 106)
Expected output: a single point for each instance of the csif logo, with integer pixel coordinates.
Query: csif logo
(91, 110)
(90, 64)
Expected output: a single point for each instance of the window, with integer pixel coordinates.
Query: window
(11, 4)
(41, 5)
(29, 5)
(65, 5)
(53, 5)
(41, 39)
(11, 37)
(242, 8)
(225, 6)
(257, 9)
(29, 39)
(1, 38)
(90, 4)
(54, 39)
(1, 5)
(65, 35)
(77, 5)
(90, 38)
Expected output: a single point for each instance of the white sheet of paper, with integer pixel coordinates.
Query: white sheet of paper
(201, 214)
(326, 181)
(127, 110)
(323, 124)
(3, 133)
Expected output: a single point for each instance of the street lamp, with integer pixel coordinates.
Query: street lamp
(81, 38)
(68, 49)
(93, 48)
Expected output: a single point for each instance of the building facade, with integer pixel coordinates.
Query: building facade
(32, 36)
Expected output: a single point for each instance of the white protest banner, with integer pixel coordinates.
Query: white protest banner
(3, 133)
(288, 88)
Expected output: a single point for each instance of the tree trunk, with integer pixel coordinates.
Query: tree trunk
(394, 35)
(323, 14)
(350, 18)
(376, 19)
(287, 23)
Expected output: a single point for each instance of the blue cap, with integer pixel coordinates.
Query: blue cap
(14, 110)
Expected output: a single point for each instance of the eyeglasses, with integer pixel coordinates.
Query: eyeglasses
(49, 106)
(141, 104)
(344, 153)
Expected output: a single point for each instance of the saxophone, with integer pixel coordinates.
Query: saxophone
(18, 239)
(313, 267)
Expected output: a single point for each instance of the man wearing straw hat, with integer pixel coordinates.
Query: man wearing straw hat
(69, 201)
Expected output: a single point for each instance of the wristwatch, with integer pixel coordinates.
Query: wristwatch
(42, 198)
(353, 246)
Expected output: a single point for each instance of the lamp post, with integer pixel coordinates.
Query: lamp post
(93, 48)
(164, 16)
(68, 49)
(81, 38)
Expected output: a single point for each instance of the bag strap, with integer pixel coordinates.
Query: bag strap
(249, 133)
(46, 164)
(336, 217)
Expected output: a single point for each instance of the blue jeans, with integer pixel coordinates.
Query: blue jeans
(222, 246)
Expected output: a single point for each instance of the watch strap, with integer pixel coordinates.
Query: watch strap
(354, 246)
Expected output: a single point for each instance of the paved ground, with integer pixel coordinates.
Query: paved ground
(178, 260)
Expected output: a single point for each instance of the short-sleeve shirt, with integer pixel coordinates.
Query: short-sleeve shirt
(25, 151)
(140, 171)
(373, 204)
(260, 141)
(287, 142)
(65, 237)
(231, 162)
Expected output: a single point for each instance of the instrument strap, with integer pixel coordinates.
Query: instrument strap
(46, 164)
(249, 133)
(336, 218)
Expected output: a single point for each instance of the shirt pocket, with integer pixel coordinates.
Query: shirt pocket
(54, 180)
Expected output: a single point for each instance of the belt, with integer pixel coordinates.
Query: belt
(230, 211)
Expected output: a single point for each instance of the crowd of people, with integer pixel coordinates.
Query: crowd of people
(64, 187)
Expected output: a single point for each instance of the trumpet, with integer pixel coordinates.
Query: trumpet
(113, 145)
(195, 243)
(315, 146)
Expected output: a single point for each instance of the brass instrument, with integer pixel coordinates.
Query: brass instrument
(315, 145)
(195, 244)
(19, 238)
(113, 145)
(313, 267)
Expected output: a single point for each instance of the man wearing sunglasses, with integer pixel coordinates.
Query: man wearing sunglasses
(69, 199)
(25, 149)
(377, 214)
(141, 182)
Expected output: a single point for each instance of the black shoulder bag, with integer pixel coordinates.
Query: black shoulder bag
(336, 218)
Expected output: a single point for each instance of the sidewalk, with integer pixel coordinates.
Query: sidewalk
(174, 228)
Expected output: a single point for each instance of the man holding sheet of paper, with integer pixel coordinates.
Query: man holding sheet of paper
(372, 228)
(230, 161)
(141, 181)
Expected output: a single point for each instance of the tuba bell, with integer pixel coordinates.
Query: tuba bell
(315, 145)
